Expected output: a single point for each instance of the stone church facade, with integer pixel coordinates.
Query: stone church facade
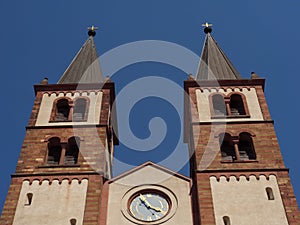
(237, 174)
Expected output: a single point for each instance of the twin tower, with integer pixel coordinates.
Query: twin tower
(237, 174)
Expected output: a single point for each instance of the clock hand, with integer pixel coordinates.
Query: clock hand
(156, 209)
(144, 200)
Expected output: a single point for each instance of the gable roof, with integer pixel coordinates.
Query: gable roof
(85, 67)
(156, 166)
(214, 64)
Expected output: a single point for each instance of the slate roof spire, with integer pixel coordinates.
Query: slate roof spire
(214, 64)
(85, 67)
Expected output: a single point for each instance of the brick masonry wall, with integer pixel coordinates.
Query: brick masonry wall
(93, 200)
(288, 198)
(104, 201)
(206, 157)
(206, 141)
(91, 161)
(204, 197)
(10, 205)
(34, 150)
(92, 145)
(263, 103)
(35, 108)
(207, 146)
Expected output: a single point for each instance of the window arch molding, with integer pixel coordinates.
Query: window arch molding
(251, 133)
(219, 133)
(241, 111)
(54, 151)
(81, 105)
(59, 152)
(56, 115)
(65, 109)
(227, 147)
(246, 146)
(72, 151)
(234, 134)
(214, 108)
(244, 104)
(239, 148)
(62, 140)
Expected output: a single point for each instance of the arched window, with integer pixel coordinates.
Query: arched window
(227, 147)
(236, 105)
(226, 220)
(245, 145)
(270, 194)
(80, 109)
(54, 151)
(72, 151)
(62, 110)
(29, 198)
(219, 105)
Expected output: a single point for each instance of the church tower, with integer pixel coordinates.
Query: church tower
(238, 173)
(67, 153)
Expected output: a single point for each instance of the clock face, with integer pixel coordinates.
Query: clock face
(149, 206)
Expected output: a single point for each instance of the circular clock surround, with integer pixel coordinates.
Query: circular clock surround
(149, 204)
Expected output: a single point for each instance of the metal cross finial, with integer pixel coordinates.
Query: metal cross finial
(92, 30)
(207, 24)
(207, 27)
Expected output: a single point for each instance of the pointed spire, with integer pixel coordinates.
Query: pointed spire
(85, 67)
(214, 64)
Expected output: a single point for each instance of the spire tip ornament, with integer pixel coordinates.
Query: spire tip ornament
(92, 31)
(207, 27)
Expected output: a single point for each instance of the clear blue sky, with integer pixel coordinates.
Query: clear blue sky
(39, 39)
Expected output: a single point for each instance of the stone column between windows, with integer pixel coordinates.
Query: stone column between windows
(63, 153)
(236, 147)
(71, 104)
(227, 104)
